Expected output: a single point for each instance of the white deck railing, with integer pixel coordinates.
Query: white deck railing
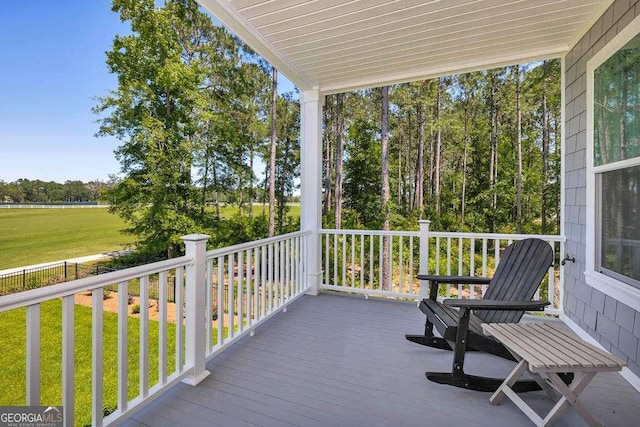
(239, 286)
(352, 261)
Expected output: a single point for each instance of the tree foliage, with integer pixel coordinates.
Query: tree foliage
(187, 110)
(453, 152)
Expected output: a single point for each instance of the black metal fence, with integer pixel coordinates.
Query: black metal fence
(38, 277)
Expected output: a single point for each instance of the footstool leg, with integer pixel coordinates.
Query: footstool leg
(513, 377)
(570, 398)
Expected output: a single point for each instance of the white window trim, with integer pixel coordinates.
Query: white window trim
(627, 294)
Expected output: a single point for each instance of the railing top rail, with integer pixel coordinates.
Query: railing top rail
(36, 296)
(501, 236)
(370, 232)
(446, 234)
(256, 243)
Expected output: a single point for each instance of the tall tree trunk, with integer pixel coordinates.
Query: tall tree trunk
(339, 155)
(437, 147)
(463, 201)
(251, 195)
(419, 185)
(385, 285)
(328, 156)
(272, 161)
(400, 190)
(545, 149)
(519, 154)
(493, 137)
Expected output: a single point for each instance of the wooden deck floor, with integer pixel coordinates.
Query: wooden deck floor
(337, 360)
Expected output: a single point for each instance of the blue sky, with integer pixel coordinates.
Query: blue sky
(52, 66)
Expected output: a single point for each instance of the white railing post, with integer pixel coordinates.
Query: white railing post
(424, 257)
(195, 327)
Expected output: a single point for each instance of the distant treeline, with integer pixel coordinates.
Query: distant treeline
(37, 191)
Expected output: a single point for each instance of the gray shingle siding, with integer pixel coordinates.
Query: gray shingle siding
(612, 323)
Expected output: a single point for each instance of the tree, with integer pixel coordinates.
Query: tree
(153, 113)
(273, 151)
(385, 190)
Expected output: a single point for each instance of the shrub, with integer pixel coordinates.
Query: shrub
(135, 309)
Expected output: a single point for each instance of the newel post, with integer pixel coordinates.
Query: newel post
(195, 248)
(424, 257)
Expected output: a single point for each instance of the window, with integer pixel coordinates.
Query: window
(614, 122)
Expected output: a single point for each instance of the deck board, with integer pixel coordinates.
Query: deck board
(337, 360)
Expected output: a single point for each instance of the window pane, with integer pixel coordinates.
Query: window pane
(620, 229)
(616, 115)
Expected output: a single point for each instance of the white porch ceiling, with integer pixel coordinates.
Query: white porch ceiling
(341, 45)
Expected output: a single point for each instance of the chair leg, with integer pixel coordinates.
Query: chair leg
(428, 338)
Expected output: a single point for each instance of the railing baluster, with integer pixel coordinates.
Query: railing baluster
(335, 259)
(411, 275)
(280, 279)
(162, 327)
(97, 349)
(371, 238)
(287, 268)
(271, 276)
(326, 259)
(208, 295)
(68, 359)
(144, 336)
(343, 238)
(353, 261)
(276, 275)
(231, 290)
(33, 355)
(380, 284)
(264, 273)
(123, 345)
(179, 301)
(256, 283)
(437, 255)
(448, 256)
(220, 300)
(400, 266)
(249, 278)
(240, 302)
(390, 275)
(362, 261)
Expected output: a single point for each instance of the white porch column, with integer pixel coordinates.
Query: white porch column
(311, 182)
(196, 247)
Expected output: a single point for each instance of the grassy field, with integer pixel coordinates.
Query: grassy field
(33, 236)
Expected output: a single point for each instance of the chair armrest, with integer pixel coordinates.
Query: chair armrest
(485, 304)
(461, 280)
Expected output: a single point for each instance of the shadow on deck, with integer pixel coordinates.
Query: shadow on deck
(336, 360)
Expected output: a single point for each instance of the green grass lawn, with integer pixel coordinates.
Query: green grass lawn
(33, 236)
(12, 357)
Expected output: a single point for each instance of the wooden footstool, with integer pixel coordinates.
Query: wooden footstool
(545, 349)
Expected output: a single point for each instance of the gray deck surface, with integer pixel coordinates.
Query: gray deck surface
(335, 360)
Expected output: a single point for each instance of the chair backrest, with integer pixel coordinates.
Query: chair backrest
(518, 275)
